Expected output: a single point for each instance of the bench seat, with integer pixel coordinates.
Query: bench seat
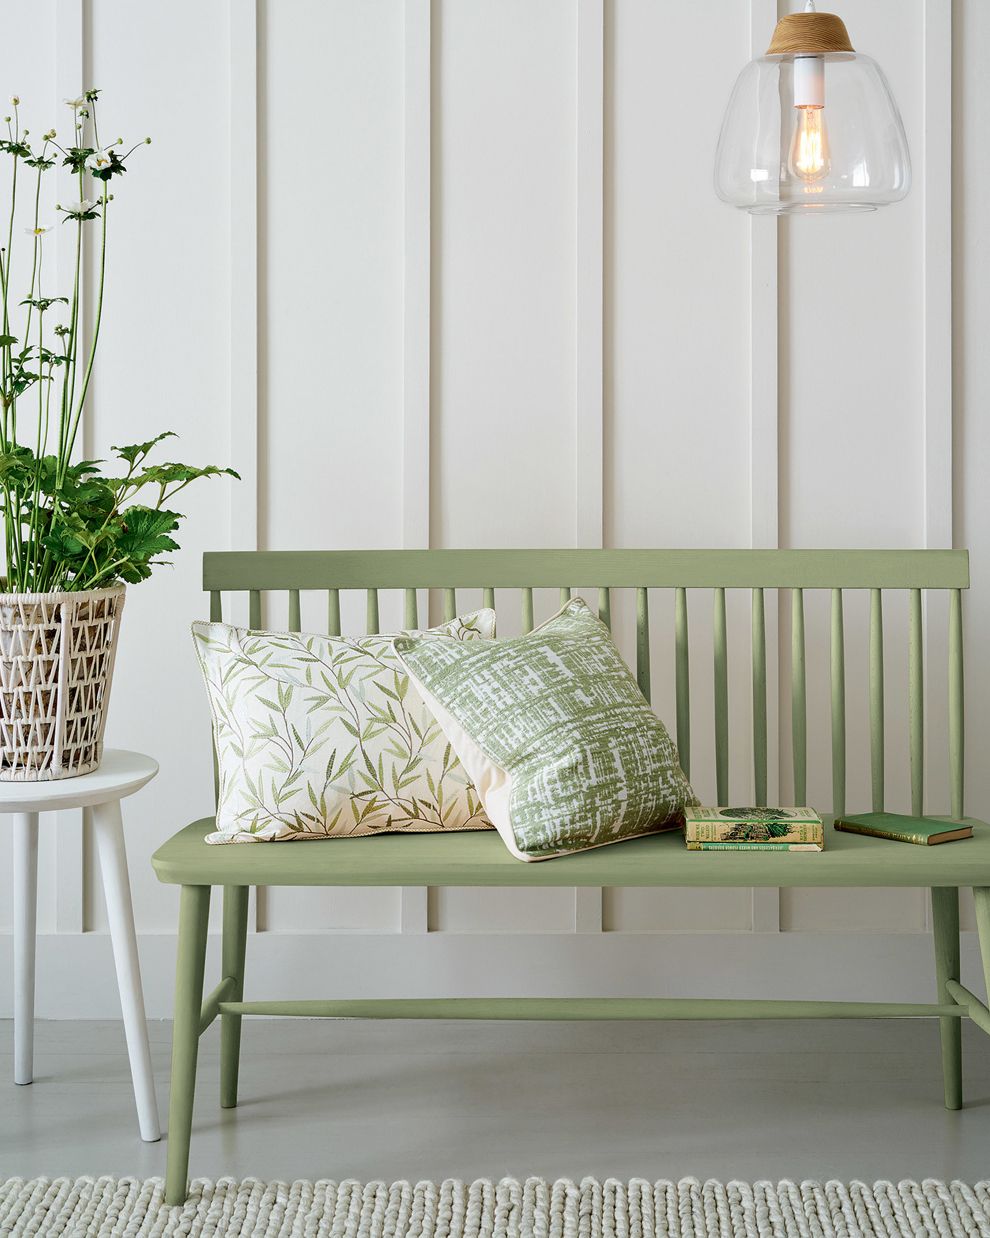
(479, 858)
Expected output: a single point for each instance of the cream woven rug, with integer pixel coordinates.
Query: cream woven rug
(534, 1208)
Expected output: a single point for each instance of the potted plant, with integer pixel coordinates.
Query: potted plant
(76, 531)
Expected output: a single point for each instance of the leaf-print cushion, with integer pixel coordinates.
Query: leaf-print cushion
(325, 737)
(555, 733)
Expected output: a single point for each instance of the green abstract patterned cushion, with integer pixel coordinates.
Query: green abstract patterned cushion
(324, 737)
(554, 732)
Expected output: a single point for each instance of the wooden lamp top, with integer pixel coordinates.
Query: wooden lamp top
(813, 33)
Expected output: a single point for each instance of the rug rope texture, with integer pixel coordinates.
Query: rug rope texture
(511, 1208)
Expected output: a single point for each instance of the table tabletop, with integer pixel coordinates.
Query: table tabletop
(119, 774)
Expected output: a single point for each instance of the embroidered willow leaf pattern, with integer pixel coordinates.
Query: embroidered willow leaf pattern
(321, 736)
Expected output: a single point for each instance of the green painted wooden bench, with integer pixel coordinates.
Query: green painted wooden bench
(474, 859)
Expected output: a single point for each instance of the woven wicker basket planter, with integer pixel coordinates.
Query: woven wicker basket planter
(56, 663)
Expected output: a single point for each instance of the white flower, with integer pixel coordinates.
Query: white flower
(75, 103)
(99, 160)
(15, 99)
(79, 208)
(39, 231)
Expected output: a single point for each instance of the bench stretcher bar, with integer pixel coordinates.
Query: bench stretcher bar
(577, 1008)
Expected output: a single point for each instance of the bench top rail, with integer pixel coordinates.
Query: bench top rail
(654, 569)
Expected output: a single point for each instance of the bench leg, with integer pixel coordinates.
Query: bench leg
(945, 920)
(235, 917)
(981, 897)
(194, 911)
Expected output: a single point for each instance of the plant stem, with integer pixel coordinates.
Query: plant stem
(69, 383)
(96, 336)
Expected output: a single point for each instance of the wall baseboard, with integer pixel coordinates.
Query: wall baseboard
(76, 975)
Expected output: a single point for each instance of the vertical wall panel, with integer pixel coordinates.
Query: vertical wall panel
(163, 364)
(852, 332)
(332, 373)
(332, 273)
(28, 24)
(677, 283)
(853, 415)
(677, 366)
(504, 244)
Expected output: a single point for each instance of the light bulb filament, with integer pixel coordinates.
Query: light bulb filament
(810, 153)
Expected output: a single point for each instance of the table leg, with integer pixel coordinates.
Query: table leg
(108, 828)
(25, 936)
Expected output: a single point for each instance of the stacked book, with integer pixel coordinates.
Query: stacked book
(753, 829)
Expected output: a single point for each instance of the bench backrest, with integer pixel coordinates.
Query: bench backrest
(914, 572)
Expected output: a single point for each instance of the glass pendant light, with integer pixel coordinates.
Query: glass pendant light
(811, 126)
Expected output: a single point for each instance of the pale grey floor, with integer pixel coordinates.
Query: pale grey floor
(394, 1100)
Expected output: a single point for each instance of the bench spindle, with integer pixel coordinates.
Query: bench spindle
(254, 608)
(488, 598)
(721, 647)
(876, 698)
(565, 595)
(411, 617)
(216, 616)
(371, 615)
(643, 641)
(916, 703)
(799, 699)
(605, 607)
(449, 604)
(759, 698)
(682, 679)
(333, 612)
(956, 703)
(837, 678)
(295, 622)
(527, 610)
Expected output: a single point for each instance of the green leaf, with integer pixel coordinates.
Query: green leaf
(145, 532)
(137, 451)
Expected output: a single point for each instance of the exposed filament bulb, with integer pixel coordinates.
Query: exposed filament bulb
(809, 154)
(809, 150)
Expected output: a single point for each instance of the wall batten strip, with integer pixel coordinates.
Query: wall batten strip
(244, 376)
(936, 186)
(416, 322)
(244, 393)
(70, 70)
(589, 274)
(589, 318)
(764, 404)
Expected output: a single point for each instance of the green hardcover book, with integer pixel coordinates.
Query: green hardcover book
(775, 826)
(705, 846)
(901, 828)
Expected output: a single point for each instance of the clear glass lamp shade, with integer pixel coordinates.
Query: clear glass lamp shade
(812, 133)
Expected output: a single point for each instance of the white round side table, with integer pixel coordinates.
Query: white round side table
(119, 775)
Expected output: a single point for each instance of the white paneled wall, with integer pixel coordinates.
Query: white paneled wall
(452, 273)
